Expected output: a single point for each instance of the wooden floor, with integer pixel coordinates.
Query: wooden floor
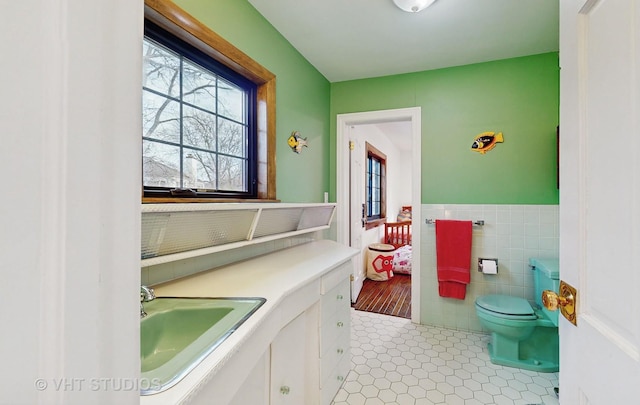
(391, 297)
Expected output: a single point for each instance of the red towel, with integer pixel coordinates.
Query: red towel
(453, 256)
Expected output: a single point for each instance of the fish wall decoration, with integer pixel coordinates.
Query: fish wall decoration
(486, 141)
(296, 142)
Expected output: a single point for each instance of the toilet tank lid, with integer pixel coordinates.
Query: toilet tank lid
(505, 304)
(549, 266)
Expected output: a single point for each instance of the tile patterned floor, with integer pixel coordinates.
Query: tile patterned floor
(400, 363)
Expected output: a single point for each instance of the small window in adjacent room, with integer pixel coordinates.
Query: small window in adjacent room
(376, 168)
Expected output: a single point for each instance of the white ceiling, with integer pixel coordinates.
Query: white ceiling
(355, 39)
(399, 133)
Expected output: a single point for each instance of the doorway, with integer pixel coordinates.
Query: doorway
(349, 214)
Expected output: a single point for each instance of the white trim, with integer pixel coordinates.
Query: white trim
(71, 255)
(412, 114)
(53, 209)
(627, 346)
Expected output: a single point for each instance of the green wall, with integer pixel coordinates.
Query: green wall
(302, 94)
(518, 97)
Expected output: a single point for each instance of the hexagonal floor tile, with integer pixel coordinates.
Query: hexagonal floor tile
(397, 362)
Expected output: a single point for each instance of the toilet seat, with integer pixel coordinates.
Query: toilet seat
(506, 306)
(523, 335)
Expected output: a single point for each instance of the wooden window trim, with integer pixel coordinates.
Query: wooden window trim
(178, 22)
(375, 223)
(371, 150)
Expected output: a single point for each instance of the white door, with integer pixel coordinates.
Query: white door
(600, 199)
(356, 204)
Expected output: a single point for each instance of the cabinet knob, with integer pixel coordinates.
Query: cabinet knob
(340, 351)
(284, 390)
(340, 324)
(340, 378)
(339, 297)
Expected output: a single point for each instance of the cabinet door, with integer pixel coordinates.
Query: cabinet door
(255, 389)
(288, 354)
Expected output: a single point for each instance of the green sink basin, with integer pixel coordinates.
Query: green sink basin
(178, 333)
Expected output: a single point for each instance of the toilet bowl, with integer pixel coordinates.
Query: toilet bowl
(523, 334)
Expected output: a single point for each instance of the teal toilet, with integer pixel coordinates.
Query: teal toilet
(524, 335)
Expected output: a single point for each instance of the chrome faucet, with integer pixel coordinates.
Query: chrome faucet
(146, 295)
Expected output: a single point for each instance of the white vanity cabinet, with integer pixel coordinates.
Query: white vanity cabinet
(285, 374)
(295, 350)
(335, 331)
(309, 359)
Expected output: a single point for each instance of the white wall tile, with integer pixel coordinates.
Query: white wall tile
(512, 234)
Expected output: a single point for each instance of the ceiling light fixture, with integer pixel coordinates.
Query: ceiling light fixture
(413, 6)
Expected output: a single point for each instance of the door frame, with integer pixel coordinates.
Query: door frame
(413, 115)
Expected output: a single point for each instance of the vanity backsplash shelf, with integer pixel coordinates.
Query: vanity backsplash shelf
(179, 231)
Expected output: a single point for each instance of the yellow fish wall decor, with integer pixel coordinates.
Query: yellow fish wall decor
(296, 142)
(486, 141)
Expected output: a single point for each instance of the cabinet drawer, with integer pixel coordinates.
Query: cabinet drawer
(335, 276)
(335, 326)
(335, 380)
(333, 355)
(337, 298)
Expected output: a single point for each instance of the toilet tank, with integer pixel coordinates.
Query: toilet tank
(546, 276)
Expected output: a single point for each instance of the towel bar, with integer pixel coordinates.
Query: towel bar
(430, 221)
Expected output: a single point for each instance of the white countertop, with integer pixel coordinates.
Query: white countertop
(274, 276)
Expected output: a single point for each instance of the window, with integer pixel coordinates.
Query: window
(208, 114)
(198, 133)
(376, 165)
